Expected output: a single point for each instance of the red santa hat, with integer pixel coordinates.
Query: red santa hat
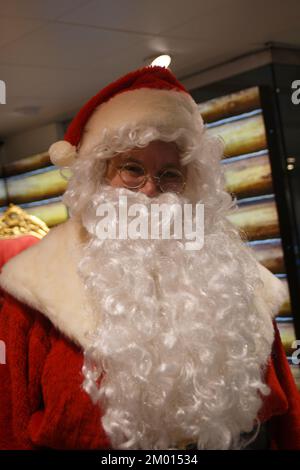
(150, 96)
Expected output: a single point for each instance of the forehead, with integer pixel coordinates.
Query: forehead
(155, 155)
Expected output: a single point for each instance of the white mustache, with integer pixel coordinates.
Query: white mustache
(126, 219)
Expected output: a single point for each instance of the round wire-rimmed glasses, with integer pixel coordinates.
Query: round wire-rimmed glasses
(134, 176)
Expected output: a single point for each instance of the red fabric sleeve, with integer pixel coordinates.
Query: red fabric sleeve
(42, 401)
(67, 419)
(19, 388)
(284, 424)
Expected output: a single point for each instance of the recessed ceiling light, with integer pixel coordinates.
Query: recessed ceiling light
(163, 60)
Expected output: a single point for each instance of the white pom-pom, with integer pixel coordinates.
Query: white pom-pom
(62, 153)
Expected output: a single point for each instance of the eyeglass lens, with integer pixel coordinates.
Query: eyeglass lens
(134, 176)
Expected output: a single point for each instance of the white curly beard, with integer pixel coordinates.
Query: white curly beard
(180, 349)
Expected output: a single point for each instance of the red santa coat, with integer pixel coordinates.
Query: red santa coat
(42, 401)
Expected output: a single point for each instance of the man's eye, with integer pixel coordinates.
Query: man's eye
(171, 174)
(134, 169)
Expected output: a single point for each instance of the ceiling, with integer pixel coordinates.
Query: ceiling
(55, 54)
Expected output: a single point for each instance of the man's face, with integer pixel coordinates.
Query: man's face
(156, 158)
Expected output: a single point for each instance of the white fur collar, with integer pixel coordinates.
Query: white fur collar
(45, 277)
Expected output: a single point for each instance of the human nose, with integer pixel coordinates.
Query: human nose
(150, 188)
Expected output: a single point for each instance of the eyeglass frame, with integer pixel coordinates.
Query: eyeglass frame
(147, 176)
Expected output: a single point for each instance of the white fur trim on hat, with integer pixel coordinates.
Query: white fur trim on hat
(62, 153)
(167, 110)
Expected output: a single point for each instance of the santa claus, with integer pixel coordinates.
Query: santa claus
(141, 343)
